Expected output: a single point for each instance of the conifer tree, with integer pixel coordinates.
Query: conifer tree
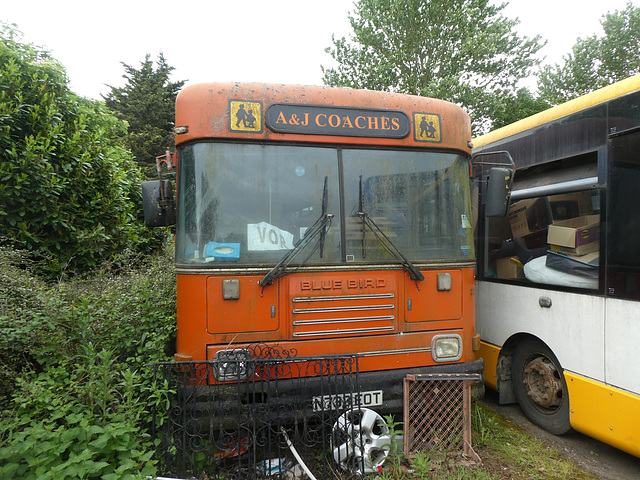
(147, 104)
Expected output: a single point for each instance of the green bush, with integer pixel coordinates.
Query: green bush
(29, 314)
(76, 385)
(69, 189)
(131, 313)
(80, 424)
(76, 356)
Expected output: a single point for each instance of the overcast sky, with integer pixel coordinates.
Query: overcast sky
(238, 40)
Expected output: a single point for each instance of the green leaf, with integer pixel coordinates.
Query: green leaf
(100, 442)
(463, 51)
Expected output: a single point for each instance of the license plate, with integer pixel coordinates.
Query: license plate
(343, 401)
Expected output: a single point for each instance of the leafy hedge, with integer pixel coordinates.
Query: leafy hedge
(75, 375)
(69, 189)
(76, 384)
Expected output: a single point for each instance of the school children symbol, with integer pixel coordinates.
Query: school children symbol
(245, 116)
(426, 128)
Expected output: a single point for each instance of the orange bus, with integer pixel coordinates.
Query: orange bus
(325, 221)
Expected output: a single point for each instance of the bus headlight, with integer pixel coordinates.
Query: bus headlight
(231, 365)
(446, 348)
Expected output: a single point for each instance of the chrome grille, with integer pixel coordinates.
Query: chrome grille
(338, 315)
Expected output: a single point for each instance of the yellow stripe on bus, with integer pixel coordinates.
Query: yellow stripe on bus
(615, 90)
(489, 353)
(605, 413)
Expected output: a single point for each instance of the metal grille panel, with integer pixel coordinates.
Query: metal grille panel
(340, 315)
(229, 429)
(437, 413)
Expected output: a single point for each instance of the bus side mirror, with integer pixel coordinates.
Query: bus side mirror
(498, 192)
(158, 203)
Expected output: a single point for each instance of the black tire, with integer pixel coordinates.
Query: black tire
(540, 387)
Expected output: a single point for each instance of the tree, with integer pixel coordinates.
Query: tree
(514, 107)
(147, 104)
(69, 189)
(463, 51)
(595, 62)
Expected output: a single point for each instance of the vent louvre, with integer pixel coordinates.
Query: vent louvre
(343, 315)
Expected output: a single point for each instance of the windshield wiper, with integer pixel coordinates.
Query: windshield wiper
(363, 245)
(367, 221)
(325, 200)
(414, 273)
(321, 225)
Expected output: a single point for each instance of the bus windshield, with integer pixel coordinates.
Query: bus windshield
(250, 204)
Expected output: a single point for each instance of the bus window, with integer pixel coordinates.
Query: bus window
(257, 199)
(423, 210)
(623, 246)
(550, 240)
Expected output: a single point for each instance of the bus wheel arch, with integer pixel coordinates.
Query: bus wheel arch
(504, 381)
(539, 385)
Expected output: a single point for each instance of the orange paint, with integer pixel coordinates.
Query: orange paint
(204, 108)
(328, 314)
(353, 307)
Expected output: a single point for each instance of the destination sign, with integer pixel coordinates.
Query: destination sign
(343, 121)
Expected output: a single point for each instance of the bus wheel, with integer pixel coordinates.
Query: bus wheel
(540, 387)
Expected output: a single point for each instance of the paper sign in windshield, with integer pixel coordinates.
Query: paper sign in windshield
(263, 236)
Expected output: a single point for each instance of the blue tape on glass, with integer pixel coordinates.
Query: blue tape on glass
(222, 250)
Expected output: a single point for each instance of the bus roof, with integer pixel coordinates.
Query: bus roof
(602, 95)
(207, 110)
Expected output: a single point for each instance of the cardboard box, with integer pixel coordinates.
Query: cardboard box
(578, 236)
(509, 267)
(529, 216)
(570, 205)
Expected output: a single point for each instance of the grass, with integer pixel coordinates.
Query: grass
(506, 451)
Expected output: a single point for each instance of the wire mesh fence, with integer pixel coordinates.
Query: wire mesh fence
(437, 413)
(262, 412)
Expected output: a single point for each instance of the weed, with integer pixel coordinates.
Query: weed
(394, 465)
(75, 357)
(483, 424)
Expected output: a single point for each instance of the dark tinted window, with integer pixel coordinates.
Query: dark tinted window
(624, 217)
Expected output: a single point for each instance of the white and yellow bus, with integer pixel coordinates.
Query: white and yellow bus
(558, 277)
